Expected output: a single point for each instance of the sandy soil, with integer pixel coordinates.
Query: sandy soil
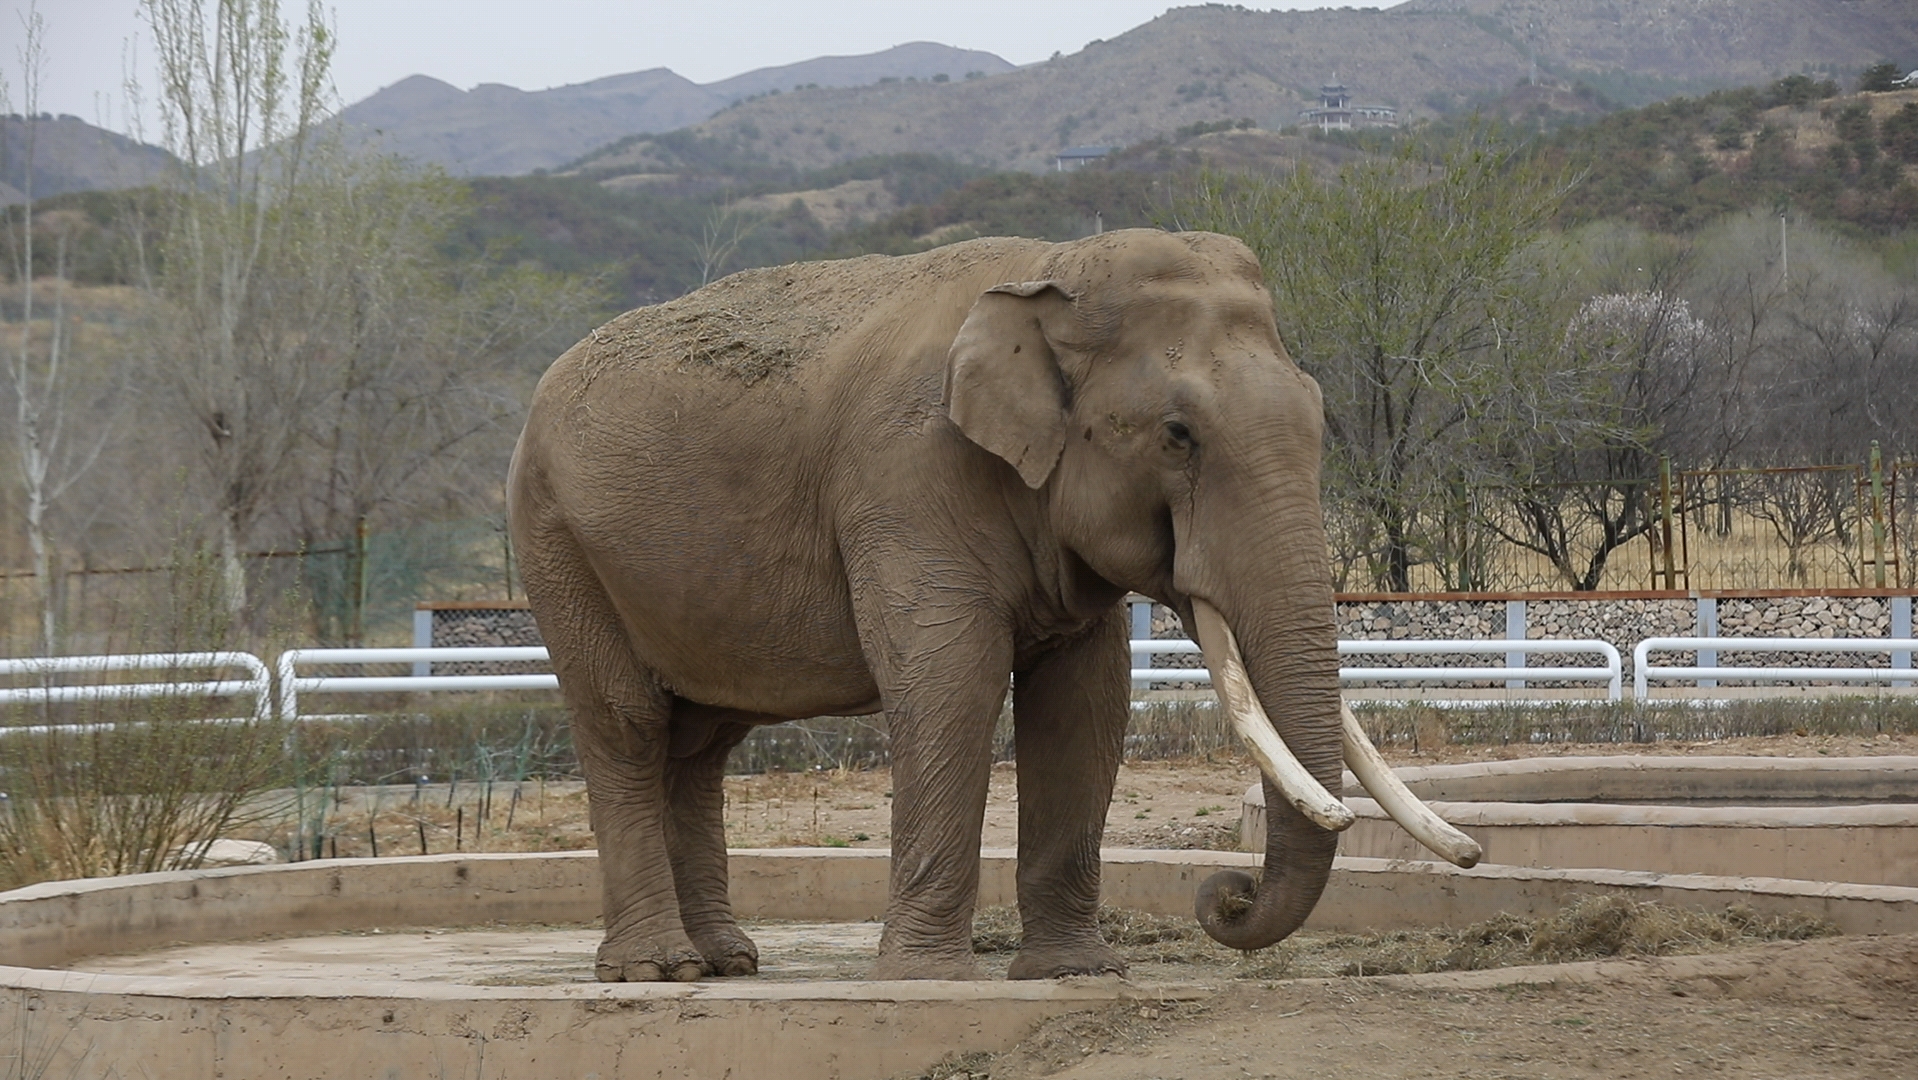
(1841, 1007)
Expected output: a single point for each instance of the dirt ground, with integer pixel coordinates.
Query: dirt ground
(1831, 1007)
(1184, 804)
(1836, 1007)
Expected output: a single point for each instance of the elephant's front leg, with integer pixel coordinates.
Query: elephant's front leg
(943, 686)
(1069, 715)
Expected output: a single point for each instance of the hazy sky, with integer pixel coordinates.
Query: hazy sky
(534, 44)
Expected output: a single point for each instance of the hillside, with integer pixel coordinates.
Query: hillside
(1676, 165)
(70, 154)
(1426, 57)
(498, 130)
(1717, 41)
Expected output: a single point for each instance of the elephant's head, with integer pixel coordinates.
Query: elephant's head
(1140, 385)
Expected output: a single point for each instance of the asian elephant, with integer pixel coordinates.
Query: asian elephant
(893, 484)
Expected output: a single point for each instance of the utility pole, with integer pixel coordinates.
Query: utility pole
(1783, 208)
(1877, 515)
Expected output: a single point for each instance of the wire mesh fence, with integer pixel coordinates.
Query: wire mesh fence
(351, 590)
(1846, 526)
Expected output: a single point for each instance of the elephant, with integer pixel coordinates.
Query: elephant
(902, 484)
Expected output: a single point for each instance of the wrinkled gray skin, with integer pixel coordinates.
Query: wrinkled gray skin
(957, 475)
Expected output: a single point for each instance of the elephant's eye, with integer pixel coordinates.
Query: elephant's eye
(1177, 434)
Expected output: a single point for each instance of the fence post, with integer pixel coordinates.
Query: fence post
(506, 545)
(1665, 518)
(1877, 515)
(359, 583)
(422, 639)
(1142, 620)
(1707, 627)
(1515, 631)
(1901, 628)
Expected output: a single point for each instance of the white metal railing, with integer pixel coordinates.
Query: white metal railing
(258, 680)
(1707, 673)
(1146, 649)
(258, 683)
(1610, 673)
(292, 684)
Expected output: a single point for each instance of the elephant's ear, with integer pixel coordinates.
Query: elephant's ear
(1004, 388)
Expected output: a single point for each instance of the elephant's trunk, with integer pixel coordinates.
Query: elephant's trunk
(1282, 695)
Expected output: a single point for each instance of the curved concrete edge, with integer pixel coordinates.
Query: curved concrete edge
(76, 1023)
(867, 991)
(864, 1031)
(1652, 778)
(1443, 895)
(54, 924)
(1870, 844)
(1664, 817)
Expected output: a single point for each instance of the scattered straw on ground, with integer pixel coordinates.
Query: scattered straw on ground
(1590, 928)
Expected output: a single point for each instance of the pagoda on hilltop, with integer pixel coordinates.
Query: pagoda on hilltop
(1337, 113)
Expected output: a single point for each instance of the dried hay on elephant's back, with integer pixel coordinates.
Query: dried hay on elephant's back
(752, 326)
(765, 324)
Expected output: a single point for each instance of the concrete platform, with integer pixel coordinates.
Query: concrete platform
(78, 1014)
(1725, 816)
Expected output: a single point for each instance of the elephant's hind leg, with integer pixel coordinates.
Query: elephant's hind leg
(1069, 718)
(620, 723)
(696, 837)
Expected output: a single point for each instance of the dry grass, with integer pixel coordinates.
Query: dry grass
(133, 786)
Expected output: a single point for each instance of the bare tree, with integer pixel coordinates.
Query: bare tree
(419, 364)
(720, 234)
(240, 100)
(38, 371)
(1577, 498)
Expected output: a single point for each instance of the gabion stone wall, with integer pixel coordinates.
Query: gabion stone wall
(1396, 620)
(1804, 616)
(476, 627)
(1623, 621)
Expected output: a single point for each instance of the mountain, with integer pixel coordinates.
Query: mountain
(1726, 41)
(1206, 64)
(70, 154)
(495, 129)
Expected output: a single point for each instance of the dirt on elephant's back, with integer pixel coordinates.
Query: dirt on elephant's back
(766, 324)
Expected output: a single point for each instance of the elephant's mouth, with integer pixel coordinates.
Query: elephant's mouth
(1290, 776)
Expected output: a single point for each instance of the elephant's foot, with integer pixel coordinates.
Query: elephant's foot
(645, 961)
(925, 964)
(1054, 961)
(727, 951)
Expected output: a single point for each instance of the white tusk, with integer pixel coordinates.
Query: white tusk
(1249, 720)
(1397, 800)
